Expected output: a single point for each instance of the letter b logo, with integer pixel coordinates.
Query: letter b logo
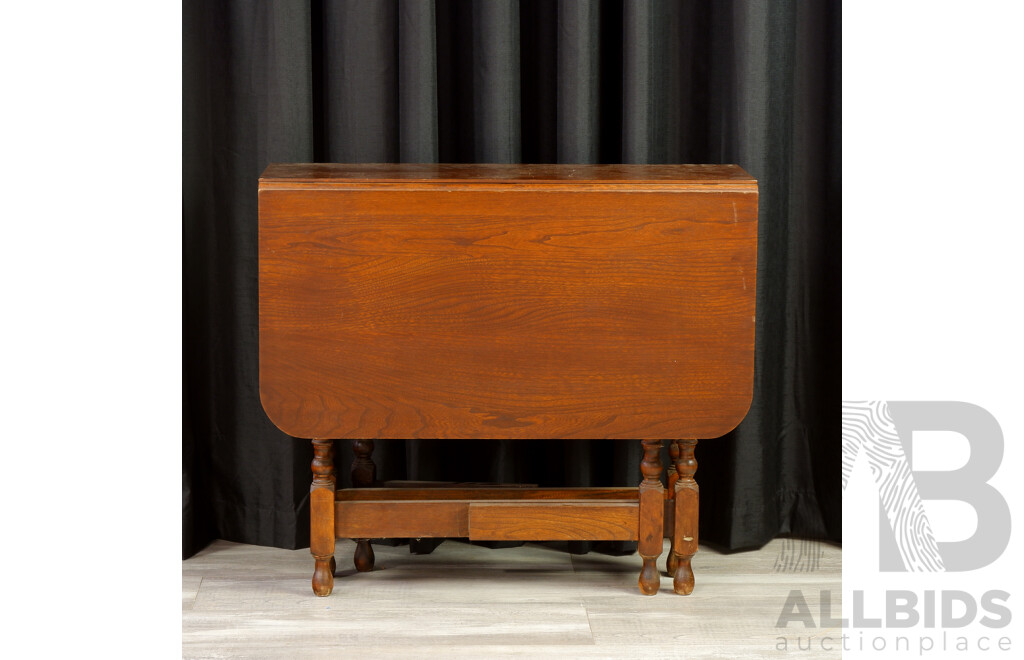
(883, 430)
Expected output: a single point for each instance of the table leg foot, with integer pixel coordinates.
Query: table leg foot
(650, 579)
(682, 579)
(323, 576)
(363, 558)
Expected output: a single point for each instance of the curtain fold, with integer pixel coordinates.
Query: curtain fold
(360, 79)
(417, 82)
(737, 81)
(578, 80)
(496, 118)
(247, 91)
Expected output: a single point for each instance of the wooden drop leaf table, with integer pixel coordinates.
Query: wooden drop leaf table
(507, 301)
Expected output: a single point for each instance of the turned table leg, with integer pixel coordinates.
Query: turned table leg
(670, 494)
(364, 474)
(321, 517)
(684, 537)
(652, 514)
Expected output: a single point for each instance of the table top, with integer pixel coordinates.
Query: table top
(506, 301)
(284, 174)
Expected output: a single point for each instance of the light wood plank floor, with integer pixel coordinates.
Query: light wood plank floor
(466, 601)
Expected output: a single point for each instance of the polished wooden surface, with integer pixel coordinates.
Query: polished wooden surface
(553, 521)
(321, 517)
(652, 517)
(360, 519)
(507, 514)
(282, 175)
(685, 517)
(424, 301)
(485, 493)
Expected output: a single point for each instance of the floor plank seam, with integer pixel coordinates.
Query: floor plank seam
(586, 610)
(259, 604)
(196, 597)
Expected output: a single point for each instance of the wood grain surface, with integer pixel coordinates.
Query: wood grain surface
(481, 494)
(506, 301)
(284, 175)
(401, 519)
(488, 520)
(556, 521)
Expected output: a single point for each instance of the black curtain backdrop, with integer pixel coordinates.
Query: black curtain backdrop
(751, 82)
